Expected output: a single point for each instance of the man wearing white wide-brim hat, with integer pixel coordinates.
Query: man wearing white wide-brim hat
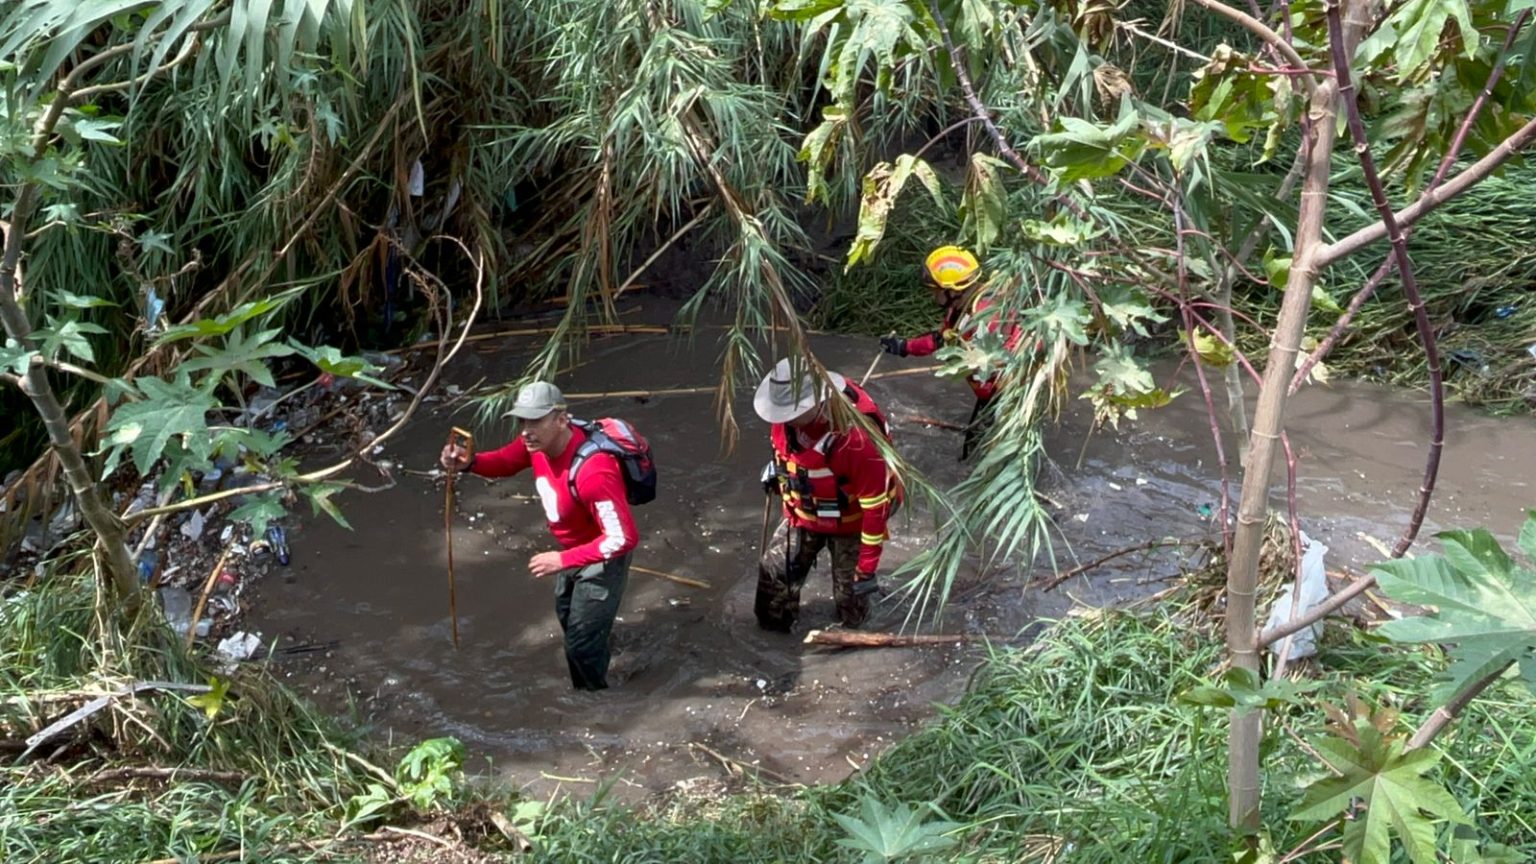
(837, 491)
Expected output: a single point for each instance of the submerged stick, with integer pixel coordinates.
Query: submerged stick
(925, 420)
(670, 577)
(859, 639)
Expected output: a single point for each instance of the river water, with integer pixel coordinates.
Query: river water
(693, 678)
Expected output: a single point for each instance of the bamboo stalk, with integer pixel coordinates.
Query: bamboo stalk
(605, 329)
(641, 394)
(670, 577)
(859, 639)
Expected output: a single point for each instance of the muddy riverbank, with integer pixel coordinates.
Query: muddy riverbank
(697, 686)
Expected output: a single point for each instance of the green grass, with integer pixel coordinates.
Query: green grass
(1077, 747)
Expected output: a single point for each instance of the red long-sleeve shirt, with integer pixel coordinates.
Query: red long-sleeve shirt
(865, 480)
(594, 526)
(957, 325)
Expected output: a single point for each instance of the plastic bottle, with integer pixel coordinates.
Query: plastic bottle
(278, 540)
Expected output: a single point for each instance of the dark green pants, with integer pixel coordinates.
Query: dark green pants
(587, 601)
(982, 418)
(782, 572)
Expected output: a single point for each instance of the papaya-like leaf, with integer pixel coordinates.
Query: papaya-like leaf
(145, 428)
(1483, 606)
(1375, 773)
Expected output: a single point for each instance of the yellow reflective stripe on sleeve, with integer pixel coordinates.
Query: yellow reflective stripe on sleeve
(875, 501)
(871, 539)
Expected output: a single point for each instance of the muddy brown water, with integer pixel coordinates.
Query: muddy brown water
(691, 667)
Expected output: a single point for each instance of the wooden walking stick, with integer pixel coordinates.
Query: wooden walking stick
(455, 436)
(873, 363)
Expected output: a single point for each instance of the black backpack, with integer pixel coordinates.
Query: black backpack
(623, 441)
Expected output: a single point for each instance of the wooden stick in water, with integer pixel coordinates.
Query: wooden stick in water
(670, 577)
(859, 639)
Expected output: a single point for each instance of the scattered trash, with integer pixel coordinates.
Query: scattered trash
(680, 602)
(226, 534)
(148, 563)
(177, 604)
(1314, 590)
(1504, 311)
(1205, 511)
(239, 646)
(278, 541)
(192, 529)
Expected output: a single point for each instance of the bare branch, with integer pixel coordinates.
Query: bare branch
(1348, 96)
(1268, 36)
(1474, 174)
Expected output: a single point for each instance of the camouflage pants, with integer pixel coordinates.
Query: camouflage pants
(782, 572)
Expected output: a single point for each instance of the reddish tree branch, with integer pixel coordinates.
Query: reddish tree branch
(1349, 97)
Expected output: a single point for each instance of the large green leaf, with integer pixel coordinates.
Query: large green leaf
(69, 335)
(894, 833)
(1082, 150)
(882, 186)
(146, 427)
(1482, 606)
(1391, 786)
(219, 325)
(242, 355)
(984, 205)
(1420, 24)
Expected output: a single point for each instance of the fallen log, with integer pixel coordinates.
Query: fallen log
(859, 639)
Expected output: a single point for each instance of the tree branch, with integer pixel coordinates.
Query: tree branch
(1442, 716)
(985, 116)
(1268, 36)
(1364, 294)
(1474, 174)
(1348, 96)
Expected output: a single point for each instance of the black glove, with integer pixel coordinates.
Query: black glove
(770, 478)
(894, 345)
(868, 585)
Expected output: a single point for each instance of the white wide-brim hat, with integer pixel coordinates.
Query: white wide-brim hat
(781, 398)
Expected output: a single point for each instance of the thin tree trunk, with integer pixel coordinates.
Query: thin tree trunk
(1268, 422)
(110, 534)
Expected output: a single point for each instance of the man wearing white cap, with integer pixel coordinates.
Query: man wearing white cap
(594, 526)
(838, 493)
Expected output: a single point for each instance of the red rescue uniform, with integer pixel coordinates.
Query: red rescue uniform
(837, 483)
(959, 326)
(594, 526)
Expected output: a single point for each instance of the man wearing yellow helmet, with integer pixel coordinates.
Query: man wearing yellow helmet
(952, 275)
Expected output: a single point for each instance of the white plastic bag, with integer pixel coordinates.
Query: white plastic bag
(1314, 590)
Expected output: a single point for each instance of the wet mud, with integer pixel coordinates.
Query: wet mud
(698, 691)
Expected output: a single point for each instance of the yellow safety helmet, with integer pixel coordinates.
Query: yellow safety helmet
(951, 268)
